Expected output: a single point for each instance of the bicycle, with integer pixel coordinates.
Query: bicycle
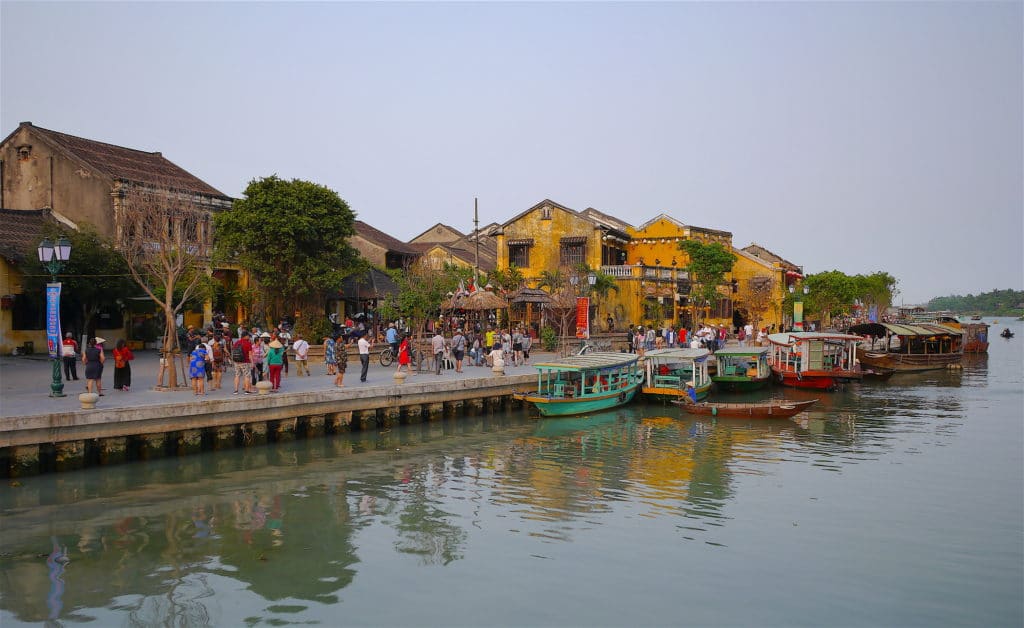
(387, 356)
(416, 357)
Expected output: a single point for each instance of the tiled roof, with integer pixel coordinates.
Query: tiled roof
(20, 232)
(372, 234)
(127, 163)
(759, 251)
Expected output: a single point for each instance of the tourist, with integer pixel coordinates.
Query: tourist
(391, 337)
(275, 363)
(527, 344)
(458, 349)
(761, 335)
(93, 359)
(122, 366)
(437, 347)
(403, 356)
(340, 361)
(197, 369)
(364, 356)
(329, 359)
(218, 355)
(258, 356)
(69, 351)
(242, 358)
(748, 332)
(489, 339)
(517, 347)
(301, 348)
(496, 358)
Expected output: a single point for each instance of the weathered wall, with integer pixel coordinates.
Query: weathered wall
(546, 233)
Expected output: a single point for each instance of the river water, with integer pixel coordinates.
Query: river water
(891, 503)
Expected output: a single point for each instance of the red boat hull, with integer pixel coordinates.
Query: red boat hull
(815, 380)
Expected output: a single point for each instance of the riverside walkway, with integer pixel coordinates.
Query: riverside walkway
(39, 432)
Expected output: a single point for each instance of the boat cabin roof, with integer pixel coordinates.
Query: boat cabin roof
(589, 362)
(736, 352)
(791, 337)
(920, 329)
(659, 356)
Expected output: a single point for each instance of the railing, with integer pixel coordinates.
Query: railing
(647, 272)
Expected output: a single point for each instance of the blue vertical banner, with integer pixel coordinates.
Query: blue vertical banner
(53, 339)
(873, 313)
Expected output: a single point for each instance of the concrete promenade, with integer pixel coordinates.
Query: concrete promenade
(25, 384)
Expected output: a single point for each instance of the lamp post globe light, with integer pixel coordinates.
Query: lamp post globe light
(53, 256)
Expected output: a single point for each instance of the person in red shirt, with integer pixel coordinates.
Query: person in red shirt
(241, 355)
(69, 351)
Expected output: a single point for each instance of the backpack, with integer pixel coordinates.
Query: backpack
(237, 355)
(218, 352)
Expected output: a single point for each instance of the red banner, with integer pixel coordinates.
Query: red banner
(583, 317)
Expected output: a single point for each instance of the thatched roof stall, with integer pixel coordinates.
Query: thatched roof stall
(479, 300)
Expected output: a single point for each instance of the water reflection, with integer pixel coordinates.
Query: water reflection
(287, 528)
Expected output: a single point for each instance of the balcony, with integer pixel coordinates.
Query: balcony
(655, 273)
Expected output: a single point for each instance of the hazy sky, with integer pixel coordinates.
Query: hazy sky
(855, 136)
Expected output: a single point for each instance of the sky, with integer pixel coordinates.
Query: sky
(851, 136)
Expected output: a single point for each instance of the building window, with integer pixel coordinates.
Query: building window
(572, 251)
(519, 255)
(545, 212)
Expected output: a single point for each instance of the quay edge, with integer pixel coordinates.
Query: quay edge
(30, 444)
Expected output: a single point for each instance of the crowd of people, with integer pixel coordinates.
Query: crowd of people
(710, 337)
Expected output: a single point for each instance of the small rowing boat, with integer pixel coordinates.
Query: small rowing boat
(771, 409)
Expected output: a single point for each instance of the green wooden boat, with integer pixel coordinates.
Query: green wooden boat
(668, 371)
(585, 383)
(742, 368)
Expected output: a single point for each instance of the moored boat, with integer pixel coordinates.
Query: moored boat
(742, 368)
(807, 359)
(668, 371)
(771, 409)
(585, 383)
(909, 348)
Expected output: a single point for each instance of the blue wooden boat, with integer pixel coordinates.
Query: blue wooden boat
(668, 371)
(584, 383)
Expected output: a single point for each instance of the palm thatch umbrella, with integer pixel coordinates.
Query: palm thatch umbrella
(479, 300)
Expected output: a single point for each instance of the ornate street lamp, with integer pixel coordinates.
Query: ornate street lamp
(53, 257)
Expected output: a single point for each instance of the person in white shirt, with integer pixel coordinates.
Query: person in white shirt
(497, 356)
(364, 356)
(301, 348)
(748, 332)
(437, 347)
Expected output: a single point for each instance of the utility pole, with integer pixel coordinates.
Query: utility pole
(476, 237)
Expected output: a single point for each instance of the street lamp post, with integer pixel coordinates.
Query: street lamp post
(53, 256)
(798, 306)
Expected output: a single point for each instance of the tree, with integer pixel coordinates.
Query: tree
(292, 237)
(421, 292)
(163, 237)
(829, 293)
(876, 289)
(552, 280)
(759, 297)
(94, 277)
(707, 268)
(509, 279)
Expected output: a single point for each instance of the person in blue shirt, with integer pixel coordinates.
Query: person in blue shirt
(391, 337)
(691, 393)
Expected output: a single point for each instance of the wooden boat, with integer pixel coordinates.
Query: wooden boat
(742, 368)
(879, 374)
(909, 348)
(976, 317)
(584, 383)
(668, 371)
(808, 359)
(975, 334)
(1006, 333)
(771, 409)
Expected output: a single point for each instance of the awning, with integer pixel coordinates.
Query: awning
(573, 240)
(881, 329)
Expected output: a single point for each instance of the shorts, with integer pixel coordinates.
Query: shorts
(516, 346)
(244, 369)
(458, 355)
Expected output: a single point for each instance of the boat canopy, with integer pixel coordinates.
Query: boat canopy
(792, 337)
(879, 330)
(664, 356)
(589, 362)
(740, 352)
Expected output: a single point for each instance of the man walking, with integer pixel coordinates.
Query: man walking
(458, 349)
(69, 351)
(437, 346)
(301, 348)
(364, 356)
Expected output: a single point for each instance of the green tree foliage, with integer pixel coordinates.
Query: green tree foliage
(292, 236)
(708, 266)
(877, 289)
(422, 292)
(510, 279)
(995, 303)
(552, 280)
(830, 293)
(95, 277)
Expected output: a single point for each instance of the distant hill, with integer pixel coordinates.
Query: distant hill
(995, 303)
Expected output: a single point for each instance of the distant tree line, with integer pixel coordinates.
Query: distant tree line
(995, 303)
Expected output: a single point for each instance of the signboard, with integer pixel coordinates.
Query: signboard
(583, 317)
(53, 339)
(798, 316)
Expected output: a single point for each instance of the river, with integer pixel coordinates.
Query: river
(891, 503)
